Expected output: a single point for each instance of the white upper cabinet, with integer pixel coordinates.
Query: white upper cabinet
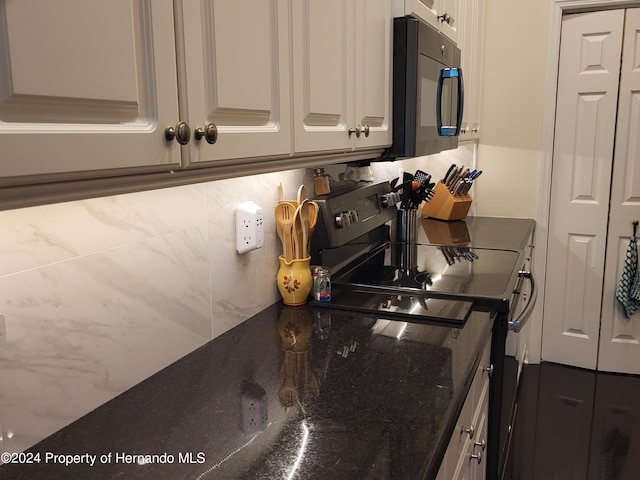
(373, 58)
(449, 12)
(341, 74)
(234, 87)
(443, 15)
(471, 45)
(89, 91)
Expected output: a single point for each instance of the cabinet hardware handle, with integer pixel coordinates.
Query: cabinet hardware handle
(357, 131)
(478, 457)
(489, 370)
(209, 133)
(482, 444)
(180, 133)
(471, 431)
(445, 17)
(366, 130)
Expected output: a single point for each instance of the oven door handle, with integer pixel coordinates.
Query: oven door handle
(516, 324)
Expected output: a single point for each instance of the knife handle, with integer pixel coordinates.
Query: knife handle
(446, 176)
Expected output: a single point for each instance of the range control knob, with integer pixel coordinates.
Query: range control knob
(391, 199)
(343, 219)
(353, 214)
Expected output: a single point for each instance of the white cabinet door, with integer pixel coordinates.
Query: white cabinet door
(443, 15)
(86, 85)
(322, 74)
(236, 77)
(620, 336)
(584, 137)
(471, 36)
(373, 72)
(425, 10)
(341, 72)
(449, 13)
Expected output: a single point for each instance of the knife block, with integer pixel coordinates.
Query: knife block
(446, 206)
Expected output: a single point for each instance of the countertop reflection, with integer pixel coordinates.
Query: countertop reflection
(292, 393)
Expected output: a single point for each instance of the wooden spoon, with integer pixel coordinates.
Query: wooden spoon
(304, 221)
(284, 213)
(302, 194)
(313, 219)
(300, 229)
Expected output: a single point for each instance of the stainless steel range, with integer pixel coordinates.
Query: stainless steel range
(368, 237)
(377, 265)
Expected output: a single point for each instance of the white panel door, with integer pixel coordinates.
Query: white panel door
(620, 336)
(585, 126)
(236, 78)
(86, 85)
(449, 15)
(323, 56)
(373, 52)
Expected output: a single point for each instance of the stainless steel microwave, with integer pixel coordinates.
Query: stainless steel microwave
(428, 93)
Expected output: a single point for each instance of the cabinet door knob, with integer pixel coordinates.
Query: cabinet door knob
(482, 444)
(489, 370)
(471, 431)
(477, 457)
(357, 131)
(366, 130)
(209, 133)
(181, 133)
(446, 18)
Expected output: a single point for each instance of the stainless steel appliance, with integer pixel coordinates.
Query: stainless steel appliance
(428, 93)
(377, 266)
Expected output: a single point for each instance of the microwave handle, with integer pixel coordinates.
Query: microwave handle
(449, 131)
(460, 101)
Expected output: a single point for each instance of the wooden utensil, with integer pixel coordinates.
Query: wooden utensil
(302, 194)
(301, 229)
(304, 220)
(284, 213)
(313, 219)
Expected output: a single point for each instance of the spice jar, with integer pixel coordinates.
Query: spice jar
(321, 182)
(322, 285)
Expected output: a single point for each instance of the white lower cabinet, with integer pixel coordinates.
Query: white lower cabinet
(465, 458)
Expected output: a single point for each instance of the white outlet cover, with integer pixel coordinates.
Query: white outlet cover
(249, 227)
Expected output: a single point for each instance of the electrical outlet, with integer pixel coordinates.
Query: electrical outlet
(249, 227)
(3, 329)
(254, 409)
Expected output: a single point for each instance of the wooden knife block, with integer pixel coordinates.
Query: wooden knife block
(446, 206)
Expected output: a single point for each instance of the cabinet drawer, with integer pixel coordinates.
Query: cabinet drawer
(473, 413)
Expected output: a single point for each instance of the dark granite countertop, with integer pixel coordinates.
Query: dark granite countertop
(373, 400)
(292, 393)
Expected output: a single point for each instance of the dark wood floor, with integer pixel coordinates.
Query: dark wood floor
(574, 424)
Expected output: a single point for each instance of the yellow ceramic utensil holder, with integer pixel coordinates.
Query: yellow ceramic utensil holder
(294, 280)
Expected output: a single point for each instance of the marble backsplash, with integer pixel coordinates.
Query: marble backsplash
(99, 294)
